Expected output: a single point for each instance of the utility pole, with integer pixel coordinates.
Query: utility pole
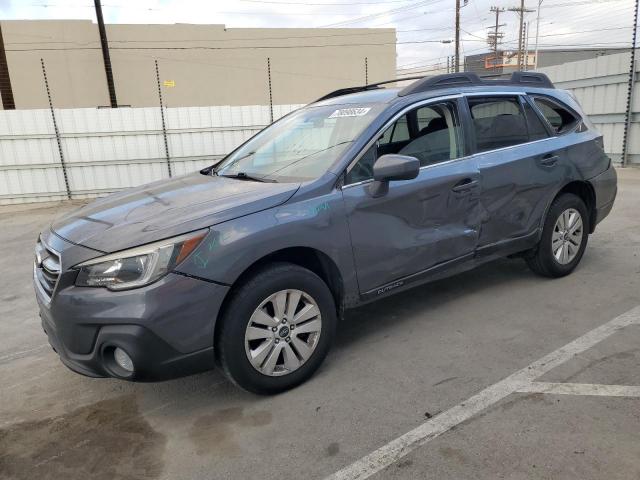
(6, 92)
(457, 60)
(525, 35)
(521, 10)
(494, 38)
(535, 60)
(105, 55)
(630, 87)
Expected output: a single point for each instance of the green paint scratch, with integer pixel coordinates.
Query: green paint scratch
(321, 207)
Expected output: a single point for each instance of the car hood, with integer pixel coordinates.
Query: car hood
(166, 208)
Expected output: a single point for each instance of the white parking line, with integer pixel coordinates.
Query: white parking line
(401, 446)
(582, 389)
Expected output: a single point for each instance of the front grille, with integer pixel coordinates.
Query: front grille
(46, 268)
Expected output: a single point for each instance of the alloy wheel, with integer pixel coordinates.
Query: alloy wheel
(567, 236)
(283, 332)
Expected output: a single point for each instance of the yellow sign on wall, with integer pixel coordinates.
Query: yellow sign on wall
(169, 83)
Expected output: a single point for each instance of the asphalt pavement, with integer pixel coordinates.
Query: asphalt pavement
(419, 361)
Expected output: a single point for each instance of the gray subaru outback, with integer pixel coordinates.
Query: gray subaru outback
(249, 264)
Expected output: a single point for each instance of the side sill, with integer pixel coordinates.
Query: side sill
(452, 267)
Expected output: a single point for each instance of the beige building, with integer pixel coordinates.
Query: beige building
(198, 64)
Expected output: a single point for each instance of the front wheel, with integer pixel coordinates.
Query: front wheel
(564, 238)
(277, 329)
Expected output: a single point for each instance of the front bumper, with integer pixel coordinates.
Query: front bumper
(153, 358)
(166, 328)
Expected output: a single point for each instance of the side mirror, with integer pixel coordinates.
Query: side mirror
(392, 168)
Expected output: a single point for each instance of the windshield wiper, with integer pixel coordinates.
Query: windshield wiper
(245, 176)
(214, 171)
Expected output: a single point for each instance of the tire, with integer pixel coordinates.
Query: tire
(241, 320)
(548, 261)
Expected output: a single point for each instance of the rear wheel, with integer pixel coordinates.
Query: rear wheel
(277, 329)
(564, 238)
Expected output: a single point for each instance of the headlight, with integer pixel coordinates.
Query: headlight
(139, 266)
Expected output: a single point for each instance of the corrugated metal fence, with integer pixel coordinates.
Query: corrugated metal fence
(600, 85)
(105, 150)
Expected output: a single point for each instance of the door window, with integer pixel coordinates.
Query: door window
(398, 132)
(498, 122)
(436, 139)
(536, 128)
(437, 135)
(560, 119)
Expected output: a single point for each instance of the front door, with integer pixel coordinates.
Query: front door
(419, 223)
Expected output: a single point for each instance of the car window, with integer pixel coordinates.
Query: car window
(398, 132)
(425, 115)
(560, 119)
(301, 146)
(498, 122)
(536, 128)
(438, 135)
(437, 139)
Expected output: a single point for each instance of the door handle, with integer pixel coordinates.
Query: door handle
(465, 185)
(549, 160)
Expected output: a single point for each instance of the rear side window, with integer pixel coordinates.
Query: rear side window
(537, 131)
(498, 122)
(560, 119)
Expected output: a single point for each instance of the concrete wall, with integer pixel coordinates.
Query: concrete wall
(210, 65)
(546, 58)
(600, 85)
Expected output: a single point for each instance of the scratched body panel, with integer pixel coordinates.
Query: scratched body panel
(418, 224)
(318, 223)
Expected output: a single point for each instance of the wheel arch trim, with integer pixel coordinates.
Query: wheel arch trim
(583, 189)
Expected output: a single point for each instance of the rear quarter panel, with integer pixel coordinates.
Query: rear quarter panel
(582, 157)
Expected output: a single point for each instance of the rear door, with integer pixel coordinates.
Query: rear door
(517, 163)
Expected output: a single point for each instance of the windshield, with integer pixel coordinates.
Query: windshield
(301, 146)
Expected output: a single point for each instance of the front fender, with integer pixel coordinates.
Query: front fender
(232, 247)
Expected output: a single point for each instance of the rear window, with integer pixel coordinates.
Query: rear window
(559, 117)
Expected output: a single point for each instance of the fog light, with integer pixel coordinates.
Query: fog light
(123, 359)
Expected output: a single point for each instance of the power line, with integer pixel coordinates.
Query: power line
(217, 40)
(303, 4)
(406, 67)
(202, 47)
(403, 9)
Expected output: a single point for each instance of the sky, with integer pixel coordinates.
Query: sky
(425, 28)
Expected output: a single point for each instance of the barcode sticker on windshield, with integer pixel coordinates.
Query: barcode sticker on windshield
(350, 112)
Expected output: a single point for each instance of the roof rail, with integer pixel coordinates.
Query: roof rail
(532, 79)
(363, 88)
